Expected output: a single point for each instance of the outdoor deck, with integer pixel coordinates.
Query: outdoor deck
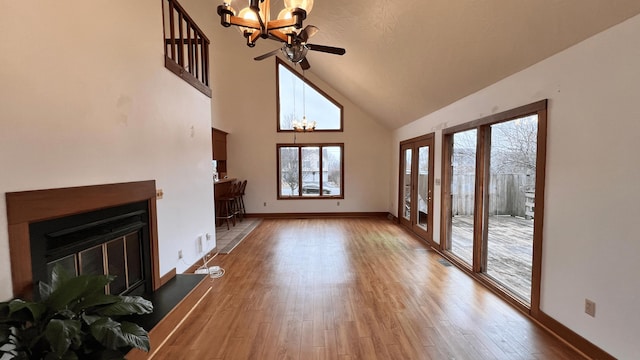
(510, 249)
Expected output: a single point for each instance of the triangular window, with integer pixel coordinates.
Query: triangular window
(296, 102)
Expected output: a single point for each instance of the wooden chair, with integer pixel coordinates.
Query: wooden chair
(239, 201)
(225, 205)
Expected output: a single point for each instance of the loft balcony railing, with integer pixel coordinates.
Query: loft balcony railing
(186, 47)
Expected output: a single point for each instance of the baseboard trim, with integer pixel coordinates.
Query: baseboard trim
(317, 215)
(168, 276)
(208, 256)
(571, 337)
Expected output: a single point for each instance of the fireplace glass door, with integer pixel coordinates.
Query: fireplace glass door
(120, 257)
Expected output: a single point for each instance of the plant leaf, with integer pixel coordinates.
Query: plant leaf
(70, 355)
(60, 334)
(20, 355)
(95, 299)
(58, 277)
(4, 309)
(34, 311)
(114, 335)
(107, 331)
(128, 305)
(70, 291)
(90, 319)
(136, 336)
(5, 334)
(44, 290)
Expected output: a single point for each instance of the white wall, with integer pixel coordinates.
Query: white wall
(85, 99)
(244, 105)
(591, 244)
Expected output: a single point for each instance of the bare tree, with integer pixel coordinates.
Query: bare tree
(286, 121)
(289, 168)
(464, 152)
(514, 146)
(331, 162)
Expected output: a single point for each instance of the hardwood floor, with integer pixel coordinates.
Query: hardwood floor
(350, 289)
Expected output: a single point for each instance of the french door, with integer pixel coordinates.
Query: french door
(415, 203)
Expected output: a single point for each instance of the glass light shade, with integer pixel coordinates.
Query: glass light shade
(307, 5)
(247, 14)
(285, 14)
(304, 125)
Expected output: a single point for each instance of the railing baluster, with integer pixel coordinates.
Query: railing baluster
(196, 59)
(189, 50)
(181, 42)
(173, 35)
(205, 61)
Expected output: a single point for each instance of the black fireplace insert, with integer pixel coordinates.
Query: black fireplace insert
(112, 241)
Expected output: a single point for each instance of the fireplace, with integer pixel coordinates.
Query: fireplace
(112, 241)
(91, 229)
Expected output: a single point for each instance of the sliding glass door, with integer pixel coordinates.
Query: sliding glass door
(493, 184)
(510, 205)
(463, 190)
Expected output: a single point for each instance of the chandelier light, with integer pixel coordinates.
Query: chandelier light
(254, 21)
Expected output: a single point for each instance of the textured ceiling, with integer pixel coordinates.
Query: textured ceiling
(406, 59)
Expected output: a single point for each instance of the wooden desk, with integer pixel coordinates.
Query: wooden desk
(222, 186)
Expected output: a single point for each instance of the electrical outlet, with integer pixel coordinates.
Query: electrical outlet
(265, 203)
(208, 236)
(338, 203)
(179, 254)
(590, 307)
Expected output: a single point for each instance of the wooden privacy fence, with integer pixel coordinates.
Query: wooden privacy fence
(509, 194)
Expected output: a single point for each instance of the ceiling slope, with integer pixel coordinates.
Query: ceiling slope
(407, 59)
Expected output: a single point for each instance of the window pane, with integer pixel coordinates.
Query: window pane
(289, 171)
(406, 175)
(311, 171)
(91, 261)
(134, 258)
(423, 186)
(463, 181)
(511, 200)
(315, 106)
(331, 170)
(116, 265)
(68, 263)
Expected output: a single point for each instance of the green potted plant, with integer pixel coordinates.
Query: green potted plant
(74, 319)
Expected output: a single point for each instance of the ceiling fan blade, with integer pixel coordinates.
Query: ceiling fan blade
(307, 33)
(264, 56)
(327, 49)
(304, 64)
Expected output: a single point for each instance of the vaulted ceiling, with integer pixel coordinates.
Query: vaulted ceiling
(406, 59)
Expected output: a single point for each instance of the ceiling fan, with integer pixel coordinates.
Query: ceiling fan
(296, 50)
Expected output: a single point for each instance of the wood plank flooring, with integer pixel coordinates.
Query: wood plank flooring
(350, 289)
